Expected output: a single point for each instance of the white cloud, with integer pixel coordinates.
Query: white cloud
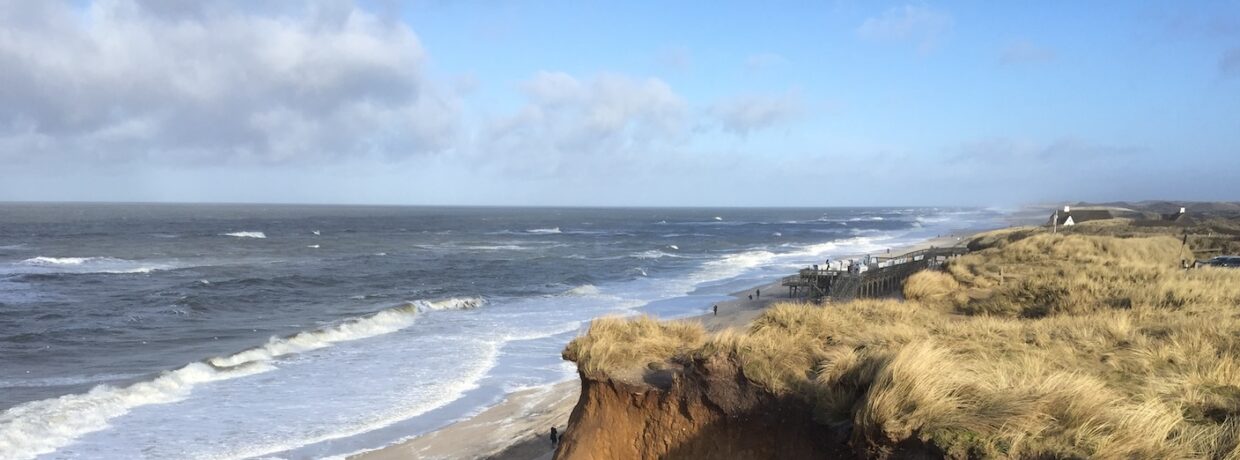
(744, 115)
(568, 120)
(120, 80)
(918, 24)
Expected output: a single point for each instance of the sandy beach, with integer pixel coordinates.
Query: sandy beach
(518, 427)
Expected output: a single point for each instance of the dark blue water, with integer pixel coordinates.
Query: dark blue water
(231, 331)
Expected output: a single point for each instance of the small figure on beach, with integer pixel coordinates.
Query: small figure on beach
(750, 296)
(757, 293)
(716, 310)
(555, 436)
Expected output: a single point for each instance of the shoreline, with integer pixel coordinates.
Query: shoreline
(517, 427)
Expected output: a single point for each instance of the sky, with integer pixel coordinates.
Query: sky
(587, 103)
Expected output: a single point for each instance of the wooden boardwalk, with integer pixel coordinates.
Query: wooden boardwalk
(883, 277)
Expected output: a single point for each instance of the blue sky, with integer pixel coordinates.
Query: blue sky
(625, 103)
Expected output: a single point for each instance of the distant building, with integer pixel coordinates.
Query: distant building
(1178, 218)
(1067, 217)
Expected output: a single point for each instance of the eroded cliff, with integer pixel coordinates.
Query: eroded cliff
(703, 409)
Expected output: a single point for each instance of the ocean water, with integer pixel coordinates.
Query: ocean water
(242, 331)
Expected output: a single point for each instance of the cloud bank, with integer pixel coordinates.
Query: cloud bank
(179, 82)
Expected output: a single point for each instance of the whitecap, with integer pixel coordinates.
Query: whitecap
(312, 246)
(544, 231)
(652, 254)
(41, 260)
(383, 322)
(495, 247)
(247, 234)
(583, 290)
(44, 264)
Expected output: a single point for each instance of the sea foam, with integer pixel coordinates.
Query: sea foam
(40, 427)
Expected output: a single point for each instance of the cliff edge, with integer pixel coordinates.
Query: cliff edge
(703, 408)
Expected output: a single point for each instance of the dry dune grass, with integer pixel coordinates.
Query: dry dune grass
(1046, 274)
(623, 348)
(1044, 346)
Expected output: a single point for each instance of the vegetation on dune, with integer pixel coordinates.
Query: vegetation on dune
(1047, 274)
(1040, 346)
(624, 348)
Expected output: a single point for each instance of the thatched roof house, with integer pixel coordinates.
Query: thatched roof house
(1069, 217)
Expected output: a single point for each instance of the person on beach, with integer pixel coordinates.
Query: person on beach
(555, 436)
(751, 297)
(716, 310)
(757, 293)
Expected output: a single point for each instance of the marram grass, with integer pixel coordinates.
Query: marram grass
(1043, 346)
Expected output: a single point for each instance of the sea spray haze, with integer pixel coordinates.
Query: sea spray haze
(163, 330)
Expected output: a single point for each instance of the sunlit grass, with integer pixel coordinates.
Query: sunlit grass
(1043, 346)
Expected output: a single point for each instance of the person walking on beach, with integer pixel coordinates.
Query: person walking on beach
(751, 297)
(757, 293)
(555, 436)
(716, 310)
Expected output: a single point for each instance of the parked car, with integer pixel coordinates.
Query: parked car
(1224, 261)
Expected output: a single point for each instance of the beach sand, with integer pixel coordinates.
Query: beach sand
(518, 428)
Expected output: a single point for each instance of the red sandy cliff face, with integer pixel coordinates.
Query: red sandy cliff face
(706, 410)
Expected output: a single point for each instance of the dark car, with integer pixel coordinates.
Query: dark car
(1224, 261)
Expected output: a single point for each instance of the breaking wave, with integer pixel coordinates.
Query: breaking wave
(383, 322)
(544, 231)
(41, 427)
(653, 254)
(59, 260)
(42, 264)
(495, 247)
(583, 290)
(247, 234)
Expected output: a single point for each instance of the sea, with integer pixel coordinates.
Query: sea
(225, 331)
